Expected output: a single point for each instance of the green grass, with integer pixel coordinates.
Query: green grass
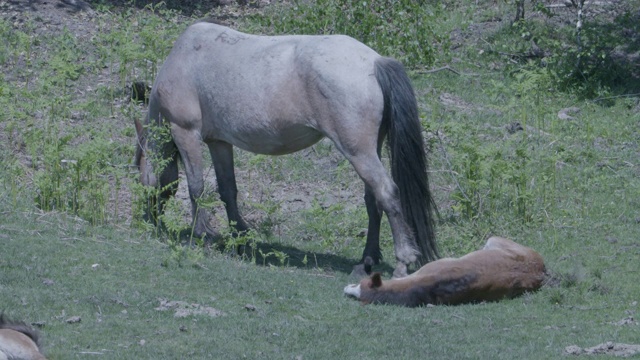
(567, 188)
(298, 311)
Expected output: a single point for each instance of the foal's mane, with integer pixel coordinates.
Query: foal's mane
(20, 327)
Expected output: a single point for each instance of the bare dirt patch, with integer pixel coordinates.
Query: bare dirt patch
(183, 309)
(608, 348)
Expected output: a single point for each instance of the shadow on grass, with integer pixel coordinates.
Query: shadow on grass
(276, 254)
(186, 7)
(267, 255)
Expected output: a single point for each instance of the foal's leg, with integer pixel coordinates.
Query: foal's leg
(188, 143)
(222, 157)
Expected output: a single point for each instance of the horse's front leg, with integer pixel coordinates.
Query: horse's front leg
(222, 157)
(188, 143)
(168, 183)
(164, 179)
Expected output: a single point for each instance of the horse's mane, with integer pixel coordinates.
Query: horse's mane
(20, 327)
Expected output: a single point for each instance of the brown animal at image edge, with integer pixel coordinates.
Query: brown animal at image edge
(502, 269)
(18, 341)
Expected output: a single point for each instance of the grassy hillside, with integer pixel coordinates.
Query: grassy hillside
(514, 152)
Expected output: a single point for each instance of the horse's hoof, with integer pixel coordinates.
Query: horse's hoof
(244, 250)
(368, 264)
(407, 254)
(359, 271)
(400, 271)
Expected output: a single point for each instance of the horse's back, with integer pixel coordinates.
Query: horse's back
(215, 52)
(232, 86)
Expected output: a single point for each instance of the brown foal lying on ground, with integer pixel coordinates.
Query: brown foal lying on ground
(18, 341)
(501, 269)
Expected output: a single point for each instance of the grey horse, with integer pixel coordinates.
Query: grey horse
(280, 94)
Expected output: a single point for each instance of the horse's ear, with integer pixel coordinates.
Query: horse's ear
(376, 280)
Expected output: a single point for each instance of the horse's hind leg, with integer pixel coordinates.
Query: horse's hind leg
(371, 254)
(222, 157)
(385, 191)
(188, 143)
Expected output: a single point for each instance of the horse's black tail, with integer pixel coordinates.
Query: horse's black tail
(408, 158)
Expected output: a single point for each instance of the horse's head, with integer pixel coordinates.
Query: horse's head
(147, 175)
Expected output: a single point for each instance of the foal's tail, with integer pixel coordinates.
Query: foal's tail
(408, 159)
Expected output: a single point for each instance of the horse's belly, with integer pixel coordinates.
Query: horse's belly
(273, 141)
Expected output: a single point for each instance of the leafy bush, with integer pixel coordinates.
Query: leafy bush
(398, 28)
(591, 59)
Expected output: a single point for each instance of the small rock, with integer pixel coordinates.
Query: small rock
(250, 307)
(564, 114)
(514, 127)
(573, 350)
(626, 321)
(73, 320)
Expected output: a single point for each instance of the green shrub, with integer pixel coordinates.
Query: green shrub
(398, 28)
